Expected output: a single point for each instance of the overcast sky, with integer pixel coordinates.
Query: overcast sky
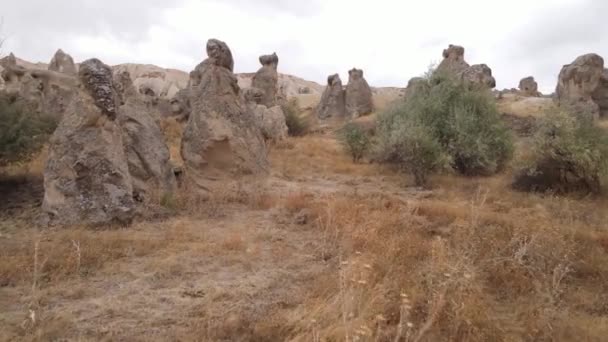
(391, 40)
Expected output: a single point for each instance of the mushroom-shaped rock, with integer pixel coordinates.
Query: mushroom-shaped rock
(145, 149)
(333, 100)
(267, 80)
(221, 140)
(63, 63)
(455, 66)
(579, 81)
(453, 60)
(86, 179)
(358, 95)
(528, 87)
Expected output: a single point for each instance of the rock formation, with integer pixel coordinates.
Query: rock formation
(600, 95)
(62, 63)
(358, 95)
(528, 87)
(221, 140)
(271, 121)
(8, 61)
(582, 85)
(478, 75)
(86, 178)
(267, 80)
(333, 102)
(147, 154)
(414, 85)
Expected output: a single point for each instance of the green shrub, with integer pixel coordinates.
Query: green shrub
(21, 133)
(463, 127)
(296, 125)
(355, 141)
(569, 153)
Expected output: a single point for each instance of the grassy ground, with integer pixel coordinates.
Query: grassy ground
(322, 250)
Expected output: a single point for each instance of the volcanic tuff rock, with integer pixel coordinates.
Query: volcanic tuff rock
(333, 102)
(221, 140)
(582, 85)
(478, 75)
(358, 95)
(267, 80)
(528, 87)
(62, 63)
(86, 178)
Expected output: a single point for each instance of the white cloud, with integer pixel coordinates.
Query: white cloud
(392, 40)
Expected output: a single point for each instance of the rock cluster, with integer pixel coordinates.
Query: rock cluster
(267, 80)
(221, 140)
(583, 84)
(105, 155)
(454, 64)
(358, 95)
(528, 87)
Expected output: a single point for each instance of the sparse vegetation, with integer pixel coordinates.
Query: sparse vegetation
(355, 140)
(569, 153)
(21, 133)
(445, 118)
(296, 124)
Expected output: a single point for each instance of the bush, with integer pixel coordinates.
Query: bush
(296, 125)
(569, 153)
(21, 133)
(355, 141)
(448, 123)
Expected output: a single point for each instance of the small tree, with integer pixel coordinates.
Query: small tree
(355, 141)
(296, 125)
(569, 153)
(21, 133)
(446, 121)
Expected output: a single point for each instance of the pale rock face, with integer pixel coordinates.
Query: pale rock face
(580, 84)
(86, 178)
(8, 61)
(271, 121)
(333, 102)
(147, 154)
(358, 95)
(267, 80)
(221, 140)
(63, 63)
(528, 87)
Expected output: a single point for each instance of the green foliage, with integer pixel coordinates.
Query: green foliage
(296, 125)
(355, 141)
(569, 153)
(21, 133)
(448, 123)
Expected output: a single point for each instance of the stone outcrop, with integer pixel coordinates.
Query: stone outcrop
(454, 64)
(600, 95)
(414, 85)
(271, 121)
(267, 80)
(333, 102)
(62, 63)
(358, 95)
(86, 178)
(581, 85)
(221, 140)
(528, 87)
(8, 61)
(147, 154)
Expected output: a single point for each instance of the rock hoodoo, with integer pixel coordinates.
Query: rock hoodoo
(583, 85)
(267, 80)
(62, 63)
(8, 61)
(528, 87)
(478, 75)
(333, 102)
(147, 154)
(86, 178)
(358, 95)
(221, 140)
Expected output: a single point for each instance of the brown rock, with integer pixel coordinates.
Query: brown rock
(579, 81)
(62, 63)
(358, 95)
(86, 178)
(454, 64)
(267, 80)
(453, 60)
(528, 87)
(271, 121)
(147, 154)
(479, 75)
(333, 102)
(8, 61)
(221, 140)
